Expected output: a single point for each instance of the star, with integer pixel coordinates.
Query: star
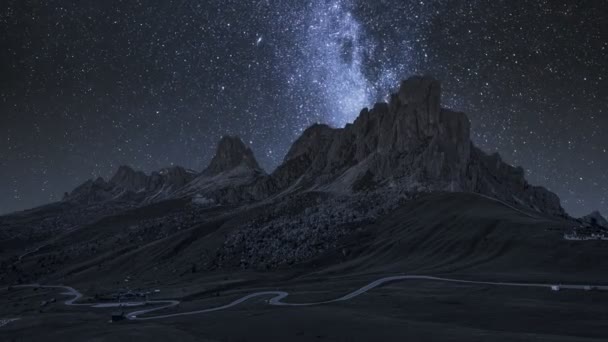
(120, 83)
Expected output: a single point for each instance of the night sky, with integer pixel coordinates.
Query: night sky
(86, 86)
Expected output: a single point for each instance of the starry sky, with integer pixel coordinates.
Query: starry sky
(86, 86)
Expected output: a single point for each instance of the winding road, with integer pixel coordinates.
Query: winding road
(76, 295)
(277, 297)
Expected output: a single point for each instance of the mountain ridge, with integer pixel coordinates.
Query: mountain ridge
(411, 140)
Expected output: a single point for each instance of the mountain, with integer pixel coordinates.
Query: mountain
(402, 191)
(411, 142)
(128, 184)
(596, 219)
(231, 153)
(92, 191)
(230, 177)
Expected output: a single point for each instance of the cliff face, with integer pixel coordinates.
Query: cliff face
(410, 136)
(411, 139)
(410, 142)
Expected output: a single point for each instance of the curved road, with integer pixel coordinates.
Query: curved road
(278, 296)
(76, 295)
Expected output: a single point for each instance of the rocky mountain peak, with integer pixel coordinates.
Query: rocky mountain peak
(413, 139)
(231, 153)
(596, 218)
(129, 179)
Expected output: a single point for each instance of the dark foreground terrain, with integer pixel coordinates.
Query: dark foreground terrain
(455, 235)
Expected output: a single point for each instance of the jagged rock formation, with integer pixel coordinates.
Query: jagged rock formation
(128, 184)
(595, 219)
(231, 153)
(409, 142)
(131, 180)
(230, 177)
(409, 137)
(91, 191)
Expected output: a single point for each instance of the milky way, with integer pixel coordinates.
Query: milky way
(328, 76)
(335, 52)
(337, 46)
(87, 87)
